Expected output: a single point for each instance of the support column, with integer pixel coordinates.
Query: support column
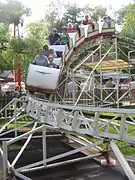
(93, 84)
(101, 78)
(74, 88)
(44, 145)
(15, 116)
(116, 51)
(122, 161)
(5, 163)
(19, 76)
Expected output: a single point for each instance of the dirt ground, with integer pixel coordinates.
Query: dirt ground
(84, 170)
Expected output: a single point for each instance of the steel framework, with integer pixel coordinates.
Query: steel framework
(72, 120)
(94, 91)
(77, 115)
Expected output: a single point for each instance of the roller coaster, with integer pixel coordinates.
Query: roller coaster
(69, 115)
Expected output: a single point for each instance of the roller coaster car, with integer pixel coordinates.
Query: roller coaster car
(93, 31)
(42, 79)
(108, 29)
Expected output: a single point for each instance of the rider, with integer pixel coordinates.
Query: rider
(40, 59)
(70, 28)
(77, 29)
(88, 21)
(107, 19)
(54, 38)
(51, 63)
(64, 36)
(46, 50)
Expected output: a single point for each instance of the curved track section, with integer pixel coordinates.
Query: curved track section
(70, 118)
(89, 40)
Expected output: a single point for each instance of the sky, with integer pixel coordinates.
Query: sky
(38, 6)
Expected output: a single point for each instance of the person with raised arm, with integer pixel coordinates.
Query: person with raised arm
(88, 21)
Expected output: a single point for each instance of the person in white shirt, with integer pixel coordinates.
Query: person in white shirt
(40, 59)
(70, 89)
(84, 95)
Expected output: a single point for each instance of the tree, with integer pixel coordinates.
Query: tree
(13, 12)
(53, 15)
(72, 14)
(98, 12)
(37, 31)
(129, 25)
(4, 39)
(4, 32)
(120, 15)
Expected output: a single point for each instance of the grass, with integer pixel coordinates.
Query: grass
(129, 150)
(19, 123)
(126, 148)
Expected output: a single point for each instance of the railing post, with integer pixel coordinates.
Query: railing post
(6, 115)
(95, 122)
(76, 122)
(123, 127)
(5, 162)
(15, 116)
(44, 145)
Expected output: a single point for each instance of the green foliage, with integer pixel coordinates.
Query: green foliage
(12, 12)
(53, 15)
(4, 32)
(72, 14)
(18, 45)
(37, 31)
(129, 26)
(96, 13)
(120, 15)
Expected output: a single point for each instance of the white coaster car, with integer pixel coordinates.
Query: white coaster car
(42, 79)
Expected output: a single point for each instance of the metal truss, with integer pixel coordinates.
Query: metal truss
(98, 95)
(70, 120)
(77, 119)
(80, 114)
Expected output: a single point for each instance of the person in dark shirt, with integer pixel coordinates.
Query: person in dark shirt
(54, 38)
(46, 50)
(108, 21)
(77, 29)
(88, 21)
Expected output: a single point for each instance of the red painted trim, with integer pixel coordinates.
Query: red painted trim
(67, 61)
(107, 33)
(109, 28)
(93, 37)
(19, 75)
(80, 38)
(88, 39)
(33, 88)
(93, 31)
(77, 47)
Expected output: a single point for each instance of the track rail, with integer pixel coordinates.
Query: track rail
(59, 116)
